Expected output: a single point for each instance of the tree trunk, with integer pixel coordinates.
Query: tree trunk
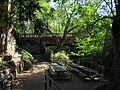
(116, 48)
(116, 42)
(62, 42)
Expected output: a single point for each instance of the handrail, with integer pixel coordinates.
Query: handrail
(49, 82)
(44, 35)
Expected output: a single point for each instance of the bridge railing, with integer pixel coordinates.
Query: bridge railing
(44, 35)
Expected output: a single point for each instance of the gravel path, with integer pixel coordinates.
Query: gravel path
(32, 80)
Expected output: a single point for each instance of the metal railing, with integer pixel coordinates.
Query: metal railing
(50, 84)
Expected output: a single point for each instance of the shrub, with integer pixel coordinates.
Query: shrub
(61, 58)
(26, 56)
(1, 61)
(27, 59)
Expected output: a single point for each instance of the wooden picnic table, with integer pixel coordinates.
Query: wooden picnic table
(89, 70)
(59, 70)
(57, 67)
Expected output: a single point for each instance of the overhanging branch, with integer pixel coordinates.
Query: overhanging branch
(109, 17)
(105, 17)
(69, 30)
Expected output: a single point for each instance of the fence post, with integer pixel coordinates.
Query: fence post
(45, 82)
(11, 86)
(50, 84)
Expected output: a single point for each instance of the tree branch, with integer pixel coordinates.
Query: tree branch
(110, 7)
(109, 17)
(69, 30)
(100, 3)
(97, 21)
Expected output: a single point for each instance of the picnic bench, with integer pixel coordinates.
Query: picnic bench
(79, 73)
(58, 72)
(85, 72)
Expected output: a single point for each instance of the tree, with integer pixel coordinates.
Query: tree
(75, 16)
(72, 17)
(26, 13)
(116, 41)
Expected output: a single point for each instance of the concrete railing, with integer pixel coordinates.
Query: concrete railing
(44, 35)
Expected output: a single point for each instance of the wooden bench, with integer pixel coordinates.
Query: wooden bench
(67, 75)
(79, 73)
(86, 72)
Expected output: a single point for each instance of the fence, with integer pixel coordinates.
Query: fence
(50, 84)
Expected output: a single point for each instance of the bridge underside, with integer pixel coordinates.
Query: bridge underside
(48, 41)
(36, 45)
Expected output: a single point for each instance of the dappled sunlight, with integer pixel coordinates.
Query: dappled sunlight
(31, 77)
(81, 36)
(40, 68)
(33, 80)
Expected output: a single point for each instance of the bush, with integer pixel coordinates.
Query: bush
(27, 59)
(61, 58)
(26, 56)
(1, 61)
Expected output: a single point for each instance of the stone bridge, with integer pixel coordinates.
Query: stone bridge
(48, 39)
(36, 44)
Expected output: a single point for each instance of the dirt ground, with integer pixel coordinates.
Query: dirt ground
(33, 80)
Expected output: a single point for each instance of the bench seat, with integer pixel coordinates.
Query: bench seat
(79, 73)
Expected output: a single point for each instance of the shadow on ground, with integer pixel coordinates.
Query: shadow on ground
(33, 80)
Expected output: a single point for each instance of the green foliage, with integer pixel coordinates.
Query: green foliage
(61, 57)
(26, 56)
(94, 47)
(1, 61)
(50, 50)
(31, 16)
(64, 16)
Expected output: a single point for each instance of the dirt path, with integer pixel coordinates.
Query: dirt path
(32, 80)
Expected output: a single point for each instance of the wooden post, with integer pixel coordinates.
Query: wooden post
(11, 86)
(45, 82)
(50, 84)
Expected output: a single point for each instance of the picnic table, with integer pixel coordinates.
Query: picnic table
(88, 71)
(57, 67)
(85, 68)
(58, 70)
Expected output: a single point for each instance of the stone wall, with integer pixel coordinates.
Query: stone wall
(7, 40)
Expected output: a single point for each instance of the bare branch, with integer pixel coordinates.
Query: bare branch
(118, 8)
(110, 7)
(100, 3)
(115, 3)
